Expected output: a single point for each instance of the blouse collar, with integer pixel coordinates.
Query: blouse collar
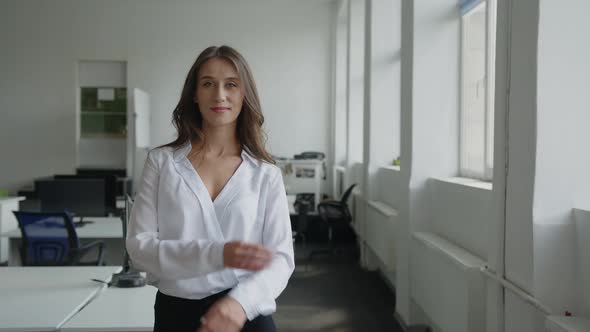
(183, 151)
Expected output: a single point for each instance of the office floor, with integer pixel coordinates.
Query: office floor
(335, 294)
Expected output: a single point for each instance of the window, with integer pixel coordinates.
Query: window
(478, 36)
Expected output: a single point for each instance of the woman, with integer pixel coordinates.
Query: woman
(210, 224)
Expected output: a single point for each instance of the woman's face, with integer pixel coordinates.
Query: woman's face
(219, 93)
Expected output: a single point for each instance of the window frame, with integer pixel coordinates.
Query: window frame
(489, 62)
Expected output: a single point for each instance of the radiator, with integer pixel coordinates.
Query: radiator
(380, 232)
(447, 285)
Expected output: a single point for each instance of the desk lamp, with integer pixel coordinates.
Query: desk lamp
(128, 277)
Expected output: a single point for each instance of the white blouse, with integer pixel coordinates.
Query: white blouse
(177, 233)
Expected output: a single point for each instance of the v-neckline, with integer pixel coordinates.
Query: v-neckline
(226, 187)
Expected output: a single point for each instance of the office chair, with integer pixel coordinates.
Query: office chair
(50, 238)
(336, 215)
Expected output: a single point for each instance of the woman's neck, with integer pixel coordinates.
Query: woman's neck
(220, 141)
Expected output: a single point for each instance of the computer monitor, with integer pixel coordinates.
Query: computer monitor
(110, 188)
(84, 197)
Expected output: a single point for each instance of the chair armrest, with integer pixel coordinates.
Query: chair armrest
(77, 254)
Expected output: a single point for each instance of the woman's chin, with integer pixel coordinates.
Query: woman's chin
(221, 122)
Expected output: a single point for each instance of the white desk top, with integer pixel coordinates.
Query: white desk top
(101, 228)
(116, 309)
(11, 199)
(41, 298)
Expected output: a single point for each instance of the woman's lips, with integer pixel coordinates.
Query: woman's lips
(220, 109)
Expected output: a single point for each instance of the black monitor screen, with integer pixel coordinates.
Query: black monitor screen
(83, 197)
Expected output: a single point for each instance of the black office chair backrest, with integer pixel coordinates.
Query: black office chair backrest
(334, 211)
(346, 194)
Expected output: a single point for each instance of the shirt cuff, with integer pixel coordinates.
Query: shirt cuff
(216, 255)
(241, 295)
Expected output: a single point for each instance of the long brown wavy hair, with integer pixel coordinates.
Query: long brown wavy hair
(187, 118)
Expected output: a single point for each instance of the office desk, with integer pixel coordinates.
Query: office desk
(7, 222)
(303, 176)
(107, 229)
(42, 298)
(292, 212)
(116, 309)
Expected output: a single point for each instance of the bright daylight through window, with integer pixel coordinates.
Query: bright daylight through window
(478, 27)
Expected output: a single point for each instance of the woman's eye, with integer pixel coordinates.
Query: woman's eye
(232, 85)
(207, 84)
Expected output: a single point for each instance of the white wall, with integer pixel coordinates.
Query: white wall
(340, 122)
(103, 153)
(356, 53)
(521, 166)
(429, 108)
(496, 228)
(582, 268)
(382, 90)
(523, 224)
(402, 240)
(381, 117)
(382, 78)
(389, 184)
(545, 242)
(431, 128)
(562, 179)
(461, 213)
(287, 44)
(521, 146)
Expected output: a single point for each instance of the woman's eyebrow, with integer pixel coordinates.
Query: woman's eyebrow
(214, 78)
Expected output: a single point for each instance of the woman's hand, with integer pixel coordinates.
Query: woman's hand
(246, 256)
(225, 315)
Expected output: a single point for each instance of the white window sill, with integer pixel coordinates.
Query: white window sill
(390, 168)
(582, 216)
(384, 208)
(474, 183)
(450, 251)
(340, 169)
(582, 210)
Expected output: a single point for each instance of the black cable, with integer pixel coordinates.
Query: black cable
(102, 282)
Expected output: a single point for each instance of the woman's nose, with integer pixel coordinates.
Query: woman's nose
(219, 94)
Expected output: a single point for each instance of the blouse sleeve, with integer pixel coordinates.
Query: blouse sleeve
(165, 259)
(257, 294)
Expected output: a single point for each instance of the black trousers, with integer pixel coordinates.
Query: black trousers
(178, 315)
